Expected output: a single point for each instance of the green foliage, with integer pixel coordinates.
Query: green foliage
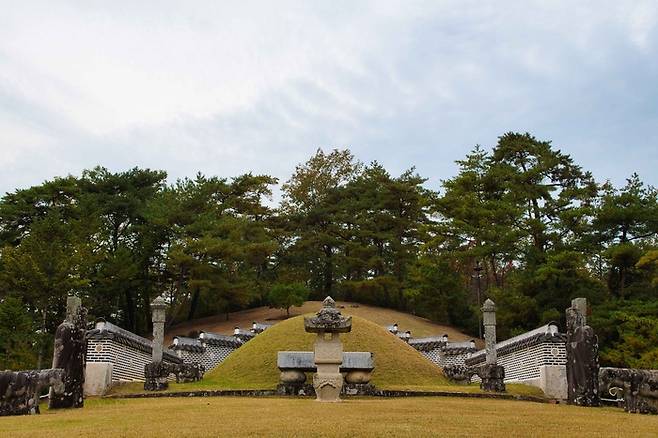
(17, 336)
(628, 333)
(521, 223)
(284, 296)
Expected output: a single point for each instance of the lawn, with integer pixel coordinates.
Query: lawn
(233, 416)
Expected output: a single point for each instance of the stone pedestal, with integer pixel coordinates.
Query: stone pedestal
(69, 355)
(493, 378)
(553, 381)
(328, 356)
(98, 378)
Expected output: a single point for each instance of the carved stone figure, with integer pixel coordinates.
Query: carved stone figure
(582, 357)
(189, 372)
(69, 354)
(459, 373)
(328, 350)
(20, 390)
(638, 388)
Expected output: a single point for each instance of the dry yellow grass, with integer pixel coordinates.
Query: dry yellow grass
(419, 327)
(413, 417)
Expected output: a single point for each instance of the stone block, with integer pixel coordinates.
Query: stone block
(98, 378)
(553, 381)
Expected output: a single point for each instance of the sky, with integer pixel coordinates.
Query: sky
(224, 88)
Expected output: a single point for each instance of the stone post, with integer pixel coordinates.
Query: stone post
(155, 373)
(69, 355)
(158, 314)
(582, 357)
(328, 350)
(491, 373)
(489, 322)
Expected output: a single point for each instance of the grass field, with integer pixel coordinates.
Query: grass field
(232, 416)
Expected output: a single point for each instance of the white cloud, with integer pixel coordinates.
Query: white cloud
(226, 88)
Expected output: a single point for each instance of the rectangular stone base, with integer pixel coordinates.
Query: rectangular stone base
(98, 378)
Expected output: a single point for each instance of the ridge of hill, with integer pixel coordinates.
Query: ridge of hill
(253, 366)
(420, 327)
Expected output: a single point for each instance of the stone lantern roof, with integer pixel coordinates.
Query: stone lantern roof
(328, 320)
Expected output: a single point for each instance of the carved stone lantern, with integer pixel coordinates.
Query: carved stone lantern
(328, 350)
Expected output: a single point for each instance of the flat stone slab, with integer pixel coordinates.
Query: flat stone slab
(303, 361)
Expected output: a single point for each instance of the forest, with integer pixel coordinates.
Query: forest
(521, 223)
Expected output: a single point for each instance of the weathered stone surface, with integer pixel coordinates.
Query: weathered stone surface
(328, 320)
(292, 377)
(493, 377)
(155, 375)
(303, 361)
(459, 373)
(20, 390)
(158, 314)
(489, 322)
(189, 372)
(358, 377)
(553, 381)
(98, 378)
(328, 350)
(69, 355)
(638, 388)
(582, 358)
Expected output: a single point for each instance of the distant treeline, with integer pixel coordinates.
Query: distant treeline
(521, 223)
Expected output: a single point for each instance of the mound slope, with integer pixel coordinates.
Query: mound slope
(420, 327)
(253, 366)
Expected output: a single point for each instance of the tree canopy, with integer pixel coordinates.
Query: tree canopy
(520, 222)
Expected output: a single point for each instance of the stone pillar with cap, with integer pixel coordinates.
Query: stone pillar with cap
(328, 350)
(158, 316)
(155, 374)
(492, 374)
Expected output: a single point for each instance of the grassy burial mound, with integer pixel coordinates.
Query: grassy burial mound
(420, 327)
(253, 366)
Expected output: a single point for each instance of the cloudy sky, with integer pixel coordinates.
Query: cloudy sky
(228, 87)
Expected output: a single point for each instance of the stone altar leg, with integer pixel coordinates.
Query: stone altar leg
(328, 381)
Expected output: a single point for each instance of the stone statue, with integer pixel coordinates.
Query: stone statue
(20, 390)
(328, 350)
(582, 357)
(638, 388)
(69, 354)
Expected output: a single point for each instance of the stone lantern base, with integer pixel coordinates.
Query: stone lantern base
(493, 377)
(328, 386)
(155, 376)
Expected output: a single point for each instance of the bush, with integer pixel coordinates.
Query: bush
(286, 295)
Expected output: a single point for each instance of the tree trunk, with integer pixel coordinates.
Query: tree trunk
(42, 346)
(328, 271)
(130, 311)
(193, 304)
